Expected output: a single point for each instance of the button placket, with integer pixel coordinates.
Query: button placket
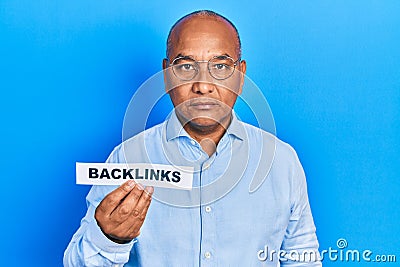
(208, 222)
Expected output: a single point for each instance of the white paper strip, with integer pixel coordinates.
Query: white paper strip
(157, 175)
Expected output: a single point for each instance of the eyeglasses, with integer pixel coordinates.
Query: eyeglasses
(219, 67)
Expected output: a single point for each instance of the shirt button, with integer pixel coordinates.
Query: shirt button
(207, 255)
(192, 142)
(208, 209)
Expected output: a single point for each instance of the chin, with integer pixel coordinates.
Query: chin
(203, 119)
(204, 122)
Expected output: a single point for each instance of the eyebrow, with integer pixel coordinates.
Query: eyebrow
(183, 56)
(191, 57)
(224, 56)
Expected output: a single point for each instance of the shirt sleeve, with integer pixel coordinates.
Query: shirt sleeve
(89, 246)
(300, 244)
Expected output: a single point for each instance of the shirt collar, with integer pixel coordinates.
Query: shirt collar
(174, 128)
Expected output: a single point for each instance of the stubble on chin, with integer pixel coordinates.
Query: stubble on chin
(204, 124)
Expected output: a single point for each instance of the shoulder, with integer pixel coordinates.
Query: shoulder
(267, 140)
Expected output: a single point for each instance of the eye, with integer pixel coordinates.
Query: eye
(187, 66)
(184, 67)
(220, 66)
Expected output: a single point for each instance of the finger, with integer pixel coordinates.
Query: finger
(128, 205)
(143, 203)
(113, 199)
(140, 212)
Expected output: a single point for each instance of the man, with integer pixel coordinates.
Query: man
(207, 226)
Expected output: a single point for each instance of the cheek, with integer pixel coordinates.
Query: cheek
(230, 90)
(229, 97)
(179, 94)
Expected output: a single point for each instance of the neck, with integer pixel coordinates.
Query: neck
(207, 136)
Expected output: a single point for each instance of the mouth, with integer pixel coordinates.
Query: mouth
(203, 104)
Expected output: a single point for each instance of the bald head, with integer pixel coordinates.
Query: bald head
(208, 19)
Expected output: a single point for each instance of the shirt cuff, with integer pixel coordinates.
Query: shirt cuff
(96, 236)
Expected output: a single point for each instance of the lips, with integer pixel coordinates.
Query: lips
(203, 104)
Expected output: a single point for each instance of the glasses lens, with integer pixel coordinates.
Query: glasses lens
(184, 68)
(221, 67)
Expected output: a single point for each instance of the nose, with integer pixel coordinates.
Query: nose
(203, 81)
(203, 88)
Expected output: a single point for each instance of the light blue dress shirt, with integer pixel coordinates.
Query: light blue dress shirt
(249, 205)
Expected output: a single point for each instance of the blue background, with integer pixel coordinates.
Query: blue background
(329, 69)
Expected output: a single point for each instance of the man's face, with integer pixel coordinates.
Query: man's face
(204, 100)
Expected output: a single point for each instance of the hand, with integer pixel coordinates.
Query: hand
(121, 214)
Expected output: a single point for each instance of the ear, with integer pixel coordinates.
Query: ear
(165, 66)
(243, 67)
(164, 63)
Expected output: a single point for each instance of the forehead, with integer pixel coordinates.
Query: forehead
(203, 37)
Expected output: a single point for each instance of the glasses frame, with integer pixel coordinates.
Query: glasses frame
(197, 68)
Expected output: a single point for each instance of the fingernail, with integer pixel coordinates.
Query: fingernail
(140, 187)
(149, 190)
(131, 184)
